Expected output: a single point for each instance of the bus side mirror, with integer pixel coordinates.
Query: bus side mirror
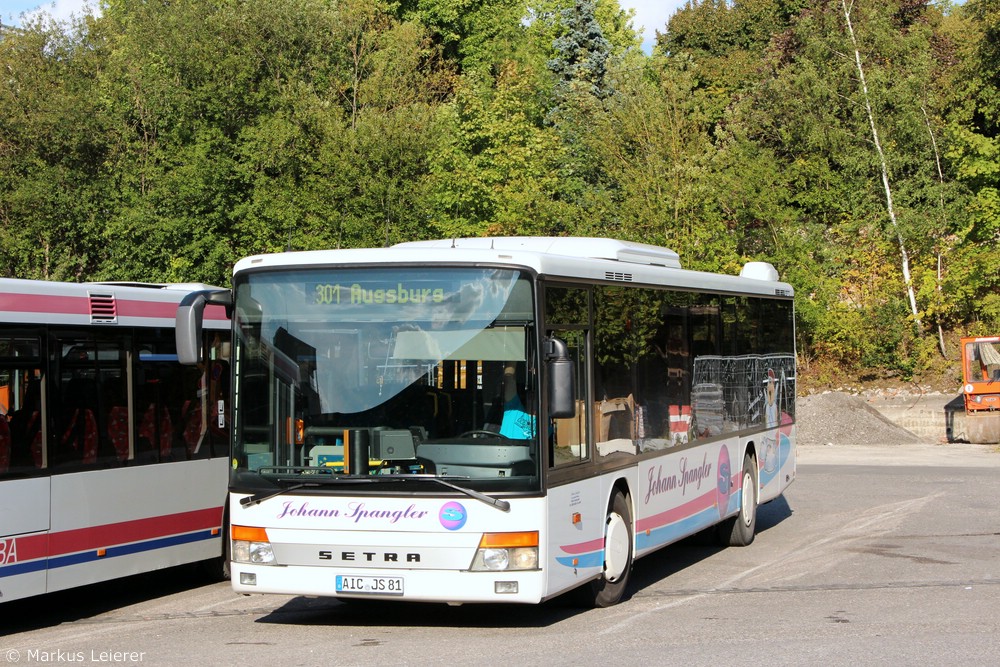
(190, 316)
(561, 384)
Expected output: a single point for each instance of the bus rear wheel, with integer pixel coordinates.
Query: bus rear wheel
(739, 530)
(618, 543)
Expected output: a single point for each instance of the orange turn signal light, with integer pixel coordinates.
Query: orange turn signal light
(509, 540)
(249, 534)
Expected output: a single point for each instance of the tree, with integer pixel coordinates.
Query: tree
(581, 53)
(798, 142)
(502, 171)
(53, 145)
(973, 146)
(890, 207)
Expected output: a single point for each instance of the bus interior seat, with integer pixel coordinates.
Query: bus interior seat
(80, 433)
(158, 433)
(26, 428)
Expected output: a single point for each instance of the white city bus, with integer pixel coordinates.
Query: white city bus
(113, 456)
(496, 419)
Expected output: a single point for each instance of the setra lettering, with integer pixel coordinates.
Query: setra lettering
(371, 556)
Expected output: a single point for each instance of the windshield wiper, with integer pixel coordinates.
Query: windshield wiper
(258, 498)
(501, 505)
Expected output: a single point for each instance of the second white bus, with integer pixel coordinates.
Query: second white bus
(113, 456)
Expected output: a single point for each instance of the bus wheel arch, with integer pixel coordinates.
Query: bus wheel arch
(225, 569)
(219, 567)
(739, 530)
(619, 551)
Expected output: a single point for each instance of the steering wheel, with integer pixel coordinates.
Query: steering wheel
(482, 433)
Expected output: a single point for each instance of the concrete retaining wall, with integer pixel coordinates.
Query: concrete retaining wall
(935, 417)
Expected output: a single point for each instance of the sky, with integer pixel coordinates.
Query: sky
(650, 15)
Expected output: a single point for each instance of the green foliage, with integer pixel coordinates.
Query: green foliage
(581, 52)
(164, 140)
(500, 171)
(53, 145)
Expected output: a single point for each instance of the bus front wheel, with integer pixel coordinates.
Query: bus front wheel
(618, 543)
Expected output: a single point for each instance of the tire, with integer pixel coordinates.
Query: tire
(225, 570)
(739, 530)
(609, 589)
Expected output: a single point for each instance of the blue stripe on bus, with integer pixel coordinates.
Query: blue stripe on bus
(149, 356)
(91, 556)
(22, 568)
(675, 531)
(593, 559)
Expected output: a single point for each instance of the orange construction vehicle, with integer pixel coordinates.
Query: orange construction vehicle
(981, 388)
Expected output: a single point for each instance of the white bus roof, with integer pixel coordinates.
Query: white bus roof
(573, 258)
(84, 304)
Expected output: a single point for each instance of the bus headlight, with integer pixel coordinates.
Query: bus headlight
(250, 545)
(505, 552)
(257, 553)
(495, 559)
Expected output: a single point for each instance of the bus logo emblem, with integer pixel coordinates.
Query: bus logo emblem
(453, 515)
(724, 481)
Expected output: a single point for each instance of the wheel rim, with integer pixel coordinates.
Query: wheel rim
(616, 548)
(748, 493)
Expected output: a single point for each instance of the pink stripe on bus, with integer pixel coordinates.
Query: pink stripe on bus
(80, 305)
(40, 303)
(584, 547)
(678, 513)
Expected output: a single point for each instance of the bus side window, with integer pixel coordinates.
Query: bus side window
(155, 426)
(78, 436)
(5, 444)
(26, 430)
(569, 434)
(193, 426)
(117, 424)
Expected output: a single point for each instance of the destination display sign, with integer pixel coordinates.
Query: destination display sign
(357, 293)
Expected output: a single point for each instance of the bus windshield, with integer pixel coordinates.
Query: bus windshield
(391, 373)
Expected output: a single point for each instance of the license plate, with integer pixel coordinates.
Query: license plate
(371, 585)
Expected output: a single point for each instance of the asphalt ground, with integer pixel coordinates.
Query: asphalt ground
(952, 454)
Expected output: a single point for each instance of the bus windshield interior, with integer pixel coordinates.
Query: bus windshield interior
(399, 373)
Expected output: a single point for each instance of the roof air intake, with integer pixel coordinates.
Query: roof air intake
(103, 309)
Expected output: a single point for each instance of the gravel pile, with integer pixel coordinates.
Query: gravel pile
(835, 418)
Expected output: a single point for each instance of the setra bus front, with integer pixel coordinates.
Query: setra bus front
(386, 439)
